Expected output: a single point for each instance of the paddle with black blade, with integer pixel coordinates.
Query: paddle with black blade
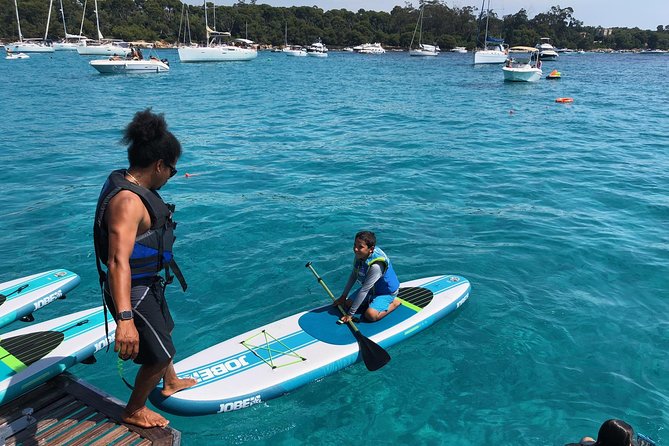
(373, 354)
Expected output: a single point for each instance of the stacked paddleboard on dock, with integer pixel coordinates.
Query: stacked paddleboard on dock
(276, 358)
(21, 297)
(34, 354)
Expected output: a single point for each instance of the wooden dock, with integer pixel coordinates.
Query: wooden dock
(69, 411)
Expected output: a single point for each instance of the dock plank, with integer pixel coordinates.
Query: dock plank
(69, 411)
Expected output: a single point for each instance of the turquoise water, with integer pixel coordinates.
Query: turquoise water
(557, 214)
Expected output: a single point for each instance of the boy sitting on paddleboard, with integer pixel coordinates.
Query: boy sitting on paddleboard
(372, 268)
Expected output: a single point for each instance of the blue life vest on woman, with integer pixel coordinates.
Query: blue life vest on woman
(389, 283)
(152, 252)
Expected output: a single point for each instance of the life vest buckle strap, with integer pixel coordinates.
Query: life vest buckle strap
(177, 273)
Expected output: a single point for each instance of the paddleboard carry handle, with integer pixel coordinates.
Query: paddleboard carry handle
(373, 354)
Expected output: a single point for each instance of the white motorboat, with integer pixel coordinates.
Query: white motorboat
(493, 50)
(13, 56)
(371, 48)
(459, 49)
(522, 65)
(546, 50)
(118, 65)
(422, 49)
(33, 45)
(317, 49)
(295, 51)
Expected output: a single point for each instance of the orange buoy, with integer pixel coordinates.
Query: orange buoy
(564, 100)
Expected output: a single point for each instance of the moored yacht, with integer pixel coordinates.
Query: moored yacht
(493, 50)
(546, 50)
(33, 45)
(294, 51)
(70, 42)
(107, 47)
(317, 49)
(371, 48)
(219, 49)
(422, 49)
(102, 46)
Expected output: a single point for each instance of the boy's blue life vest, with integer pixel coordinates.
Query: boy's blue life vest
(388, 284)
(152, 252)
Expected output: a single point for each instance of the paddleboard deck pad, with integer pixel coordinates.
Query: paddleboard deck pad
(34, 354)
(274, 359)
(21, 297)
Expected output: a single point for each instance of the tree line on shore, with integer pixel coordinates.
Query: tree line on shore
(447, 26)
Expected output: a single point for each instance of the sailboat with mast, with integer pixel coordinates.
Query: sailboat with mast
(102, 46)
(422, 49)
(493, 50)
(292, 50)
(71, 41)
(218, 48)
(31, 45)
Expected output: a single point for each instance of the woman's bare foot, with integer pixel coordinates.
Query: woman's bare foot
(145, 417)
(179, 384)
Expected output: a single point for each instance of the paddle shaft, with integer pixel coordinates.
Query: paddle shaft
(327, 290)
(372, 354)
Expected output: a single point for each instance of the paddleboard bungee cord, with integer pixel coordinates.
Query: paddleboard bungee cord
(20, 298)
(3, 297)
(277, 358)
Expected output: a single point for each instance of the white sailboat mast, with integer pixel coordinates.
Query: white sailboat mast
(97, 21)
(487, 18)
(83, 15)
(48, 20)
(420, 33)
(18, 21)
(62, 14)
(206, 23)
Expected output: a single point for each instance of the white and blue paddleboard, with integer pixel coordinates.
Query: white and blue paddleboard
(34, 354)
(274, 359)
(21, 297)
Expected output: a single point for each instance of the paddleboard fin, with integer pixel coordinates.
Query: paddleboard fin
(90, 360)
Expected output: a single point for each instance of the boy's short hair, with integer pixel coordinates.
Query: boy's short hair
(368, 237)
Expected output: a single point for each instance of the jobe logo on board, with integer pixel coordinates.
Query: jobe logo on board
(240, 404)
(101, 344)
(207, 373)
(47, 300)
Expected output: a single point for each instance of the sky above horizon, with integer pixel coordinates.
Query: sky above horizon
(647, 14)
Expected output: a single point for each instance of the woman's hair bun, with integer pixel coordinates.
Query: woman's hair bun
(145, 127)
